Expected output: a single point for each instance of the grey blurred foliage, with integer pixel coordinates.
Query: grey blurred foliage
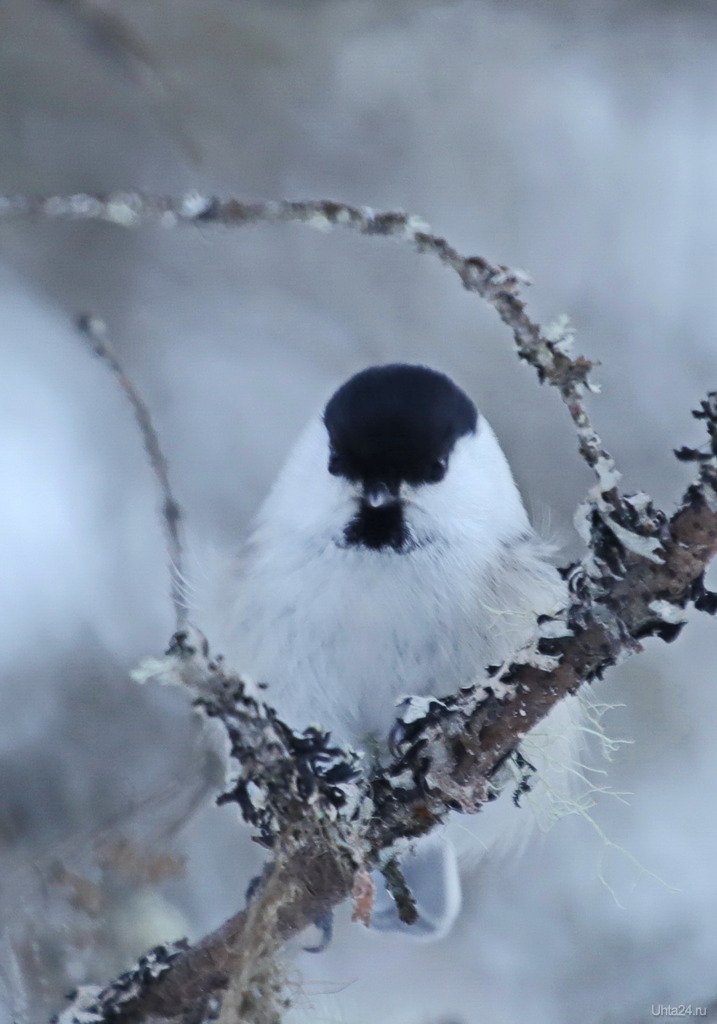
(575, 139)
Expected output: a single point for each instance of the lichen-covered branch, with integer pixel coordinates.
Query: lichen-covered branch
(326, 823)
(546, 350)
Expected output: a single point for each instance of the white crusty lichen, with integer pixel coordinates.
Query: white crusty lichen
(415, 225)
(413, 709)
(164, 671)
(92, 1005)
(193, 204)
(646, 547)
(124, 208)
(642, 544)
(318, 221)
(670, 613)
(84, 1008)
(561, 334)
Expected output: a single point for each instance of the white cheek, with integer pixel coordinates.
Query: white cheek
(477, 494)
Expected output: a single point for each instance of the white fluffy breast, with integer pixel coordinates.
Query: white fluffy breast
(340, 633)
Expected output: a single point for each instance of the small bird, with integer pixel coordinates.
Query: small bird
(392, 556)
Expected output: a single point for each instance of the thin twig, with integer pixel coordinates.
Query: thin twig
(95, 330)
(546, 350)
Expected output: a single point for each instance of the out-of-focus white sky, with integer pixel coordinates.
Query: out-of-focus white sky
(577, 140)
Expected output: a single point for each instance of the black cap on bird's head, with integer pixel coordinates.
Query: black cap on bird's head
(387, 426)
(396, 423)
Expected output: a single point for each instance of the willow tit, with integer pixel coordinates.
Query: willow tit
(392, 556)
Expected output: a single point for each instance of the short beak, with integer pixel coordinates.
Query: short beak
(378, 494)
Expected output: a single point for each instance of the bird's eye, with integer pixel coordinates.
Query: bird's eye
(335, 467)
(437, 469)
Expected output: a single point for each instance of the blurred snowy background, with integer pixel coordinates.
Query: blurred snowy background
(574, 138)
